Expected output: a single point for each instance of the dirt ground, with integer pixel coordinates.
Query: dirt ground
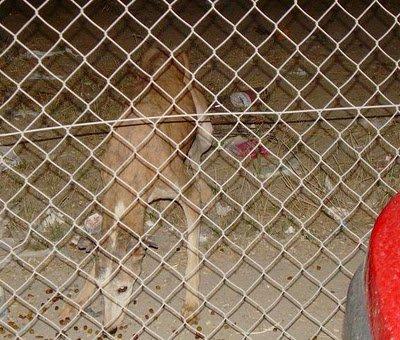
(284, 233)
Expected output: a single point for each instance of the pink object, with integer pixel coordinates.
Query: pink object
(250, 147)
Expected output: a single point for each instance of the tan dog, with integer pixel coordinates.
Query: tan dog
(146, 163)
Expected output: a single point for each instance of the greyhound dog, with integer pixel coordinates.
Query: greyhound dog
(145, 163)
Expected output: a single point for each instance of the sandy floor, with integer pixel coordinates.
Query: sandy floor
(276, 259)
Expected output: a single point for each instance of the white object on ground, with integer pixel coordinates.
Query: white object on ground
(290, 230)
(338, 214)
(222, 210)
(9, 157)
(43, 54)
(298, 71)
(40, 76)
(328, 184)
(23, 113)
(52, 218)
(92, 224)
(149, 224)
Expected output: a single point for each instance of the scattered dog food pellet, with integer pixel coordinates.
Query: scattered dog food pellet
(151, 310)
(318, 267)
(212, 312)
(85, 328)
(56, 307)
(31, 331)
(30, 296)
(134, 302)
(122, 289)
(13, 324)
(158, 287)
(90, 331)
(199, 328)
(49, 291)
(56, 298)
(76, 290)
(146, 317)
(76, 328)
(289, 278)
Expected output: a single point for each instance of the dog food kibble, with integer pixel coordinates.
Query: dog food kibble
(85, 328)
(289, 278)
(199, 328)
(151, 310)
(31, 331)
(212, 312)
(76, 328)
(56, 298)
(13, 324)
(146, 317)
(56, 307)
(76, 290)
(134, 302)
(158, 287)
(90, 331)
(318, 267)
(49, 291)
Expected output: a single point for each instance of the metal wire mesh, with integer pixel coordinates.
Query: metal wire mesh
(101, 193)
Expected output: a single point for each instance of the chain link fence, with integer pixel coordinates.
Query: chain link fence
(243, 214)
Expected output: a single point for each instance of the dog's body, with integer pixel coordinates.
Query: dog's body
(146, 162)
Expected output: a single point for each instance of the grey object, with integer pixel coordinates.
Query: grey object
(356, 324)
(9, 157)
